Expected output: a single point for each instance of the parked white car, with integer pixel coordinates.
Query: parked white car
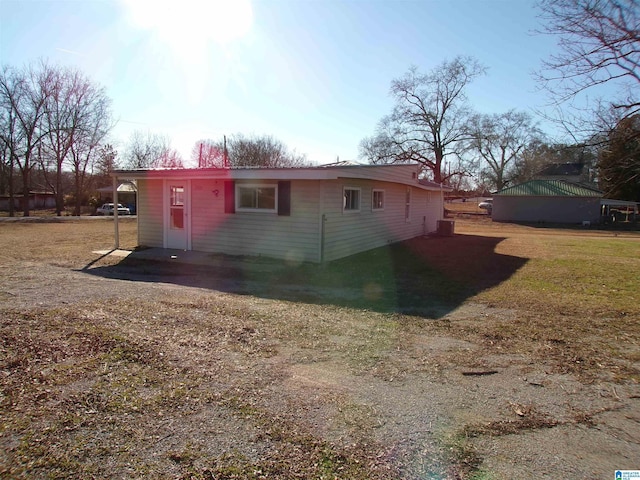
(107, 209)
(486, 205)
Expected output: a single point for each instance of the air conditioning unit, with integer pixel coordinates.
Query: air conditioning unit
(446, 228)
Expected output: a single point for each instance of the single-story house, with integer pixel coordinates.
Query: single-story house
(312, 214)
(37, 200)
(574, 172)
(551, 201)
(126, 195)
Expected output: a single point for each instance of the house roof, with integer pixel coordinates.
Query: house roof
(619, 203)
(342, 163)
(429, 183)
(549, 188)
(557, 169)
(123, 187)
(405, 174)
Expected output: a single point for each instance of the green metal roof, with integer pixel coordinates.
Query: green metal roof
(549, 188)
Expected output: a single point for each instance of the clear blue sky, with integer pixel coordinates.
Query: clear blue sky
(314, 74)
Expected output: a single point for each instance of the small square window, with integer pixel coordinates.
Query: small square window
(377, 200)
(351, 200)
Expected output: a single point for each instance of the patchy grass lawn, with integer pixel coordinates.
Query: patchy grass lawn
(66, 243)
(469, 208)
(435, 358)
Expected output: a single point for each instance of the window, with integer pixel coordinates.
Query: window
(269, 198)
(177, 196)
(407, 205)
(377, 200)
(176, 209)
(256, 197)
(351, 201)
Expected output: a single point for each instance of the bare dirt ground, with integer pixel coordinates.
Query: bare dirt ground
(116, 369)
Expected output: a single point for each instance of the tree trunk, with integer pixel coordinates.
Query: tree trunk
(78, 202)
(25, 191)
(59, 199)
(12, 207)
(437, 169)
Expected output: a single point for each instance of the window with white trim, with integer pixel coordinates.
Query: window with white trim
(377, 199)
(351, 199)
(256, 198)
(407, 205)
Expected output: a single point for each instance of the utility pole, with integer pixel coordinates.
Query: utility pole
(225, 153)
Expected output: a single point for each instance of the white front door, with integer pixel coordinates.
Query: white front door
(177, 226)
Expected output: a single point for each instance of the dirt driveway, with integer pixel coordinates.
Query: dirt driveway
(116, 370)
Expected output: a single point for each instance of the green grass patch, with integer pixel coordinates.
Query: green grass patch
(594, 276)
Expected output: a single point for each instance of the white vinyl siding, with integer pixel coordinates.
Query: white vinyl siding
(314, 204)
(349, 234)
(434, 207)
(150, 213)
(390, 173)
(295, 237)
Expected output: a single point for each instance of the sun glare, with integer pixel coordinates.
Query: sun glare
(183, 22)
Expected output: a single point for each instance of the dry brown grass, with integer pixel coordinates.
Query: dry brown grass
(68, 243)
(461, 208)
(159, 379)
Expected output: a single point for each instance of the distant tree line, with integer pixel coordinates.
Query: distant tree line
(433, 124)
(54, 136)
(52, 119)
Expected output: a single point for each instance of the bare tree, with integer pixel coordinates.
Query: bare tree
(4, 162)
(534, 157)
(171, 159)
(10, 133)
(208, 153)
(429, 118)
(147, 150)
(247, 151)
(106, 161)
(497, 140)
(58, 139)
(619, 162)
(77, 118)
(262, 151)
(91, 127)
(599, 43)
(53, 117)
(23, 99)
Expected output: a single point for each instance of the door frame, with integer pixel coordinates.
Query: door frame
(167, 215)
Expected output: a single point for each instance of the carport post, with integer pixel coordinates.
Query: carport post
(116, 245)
